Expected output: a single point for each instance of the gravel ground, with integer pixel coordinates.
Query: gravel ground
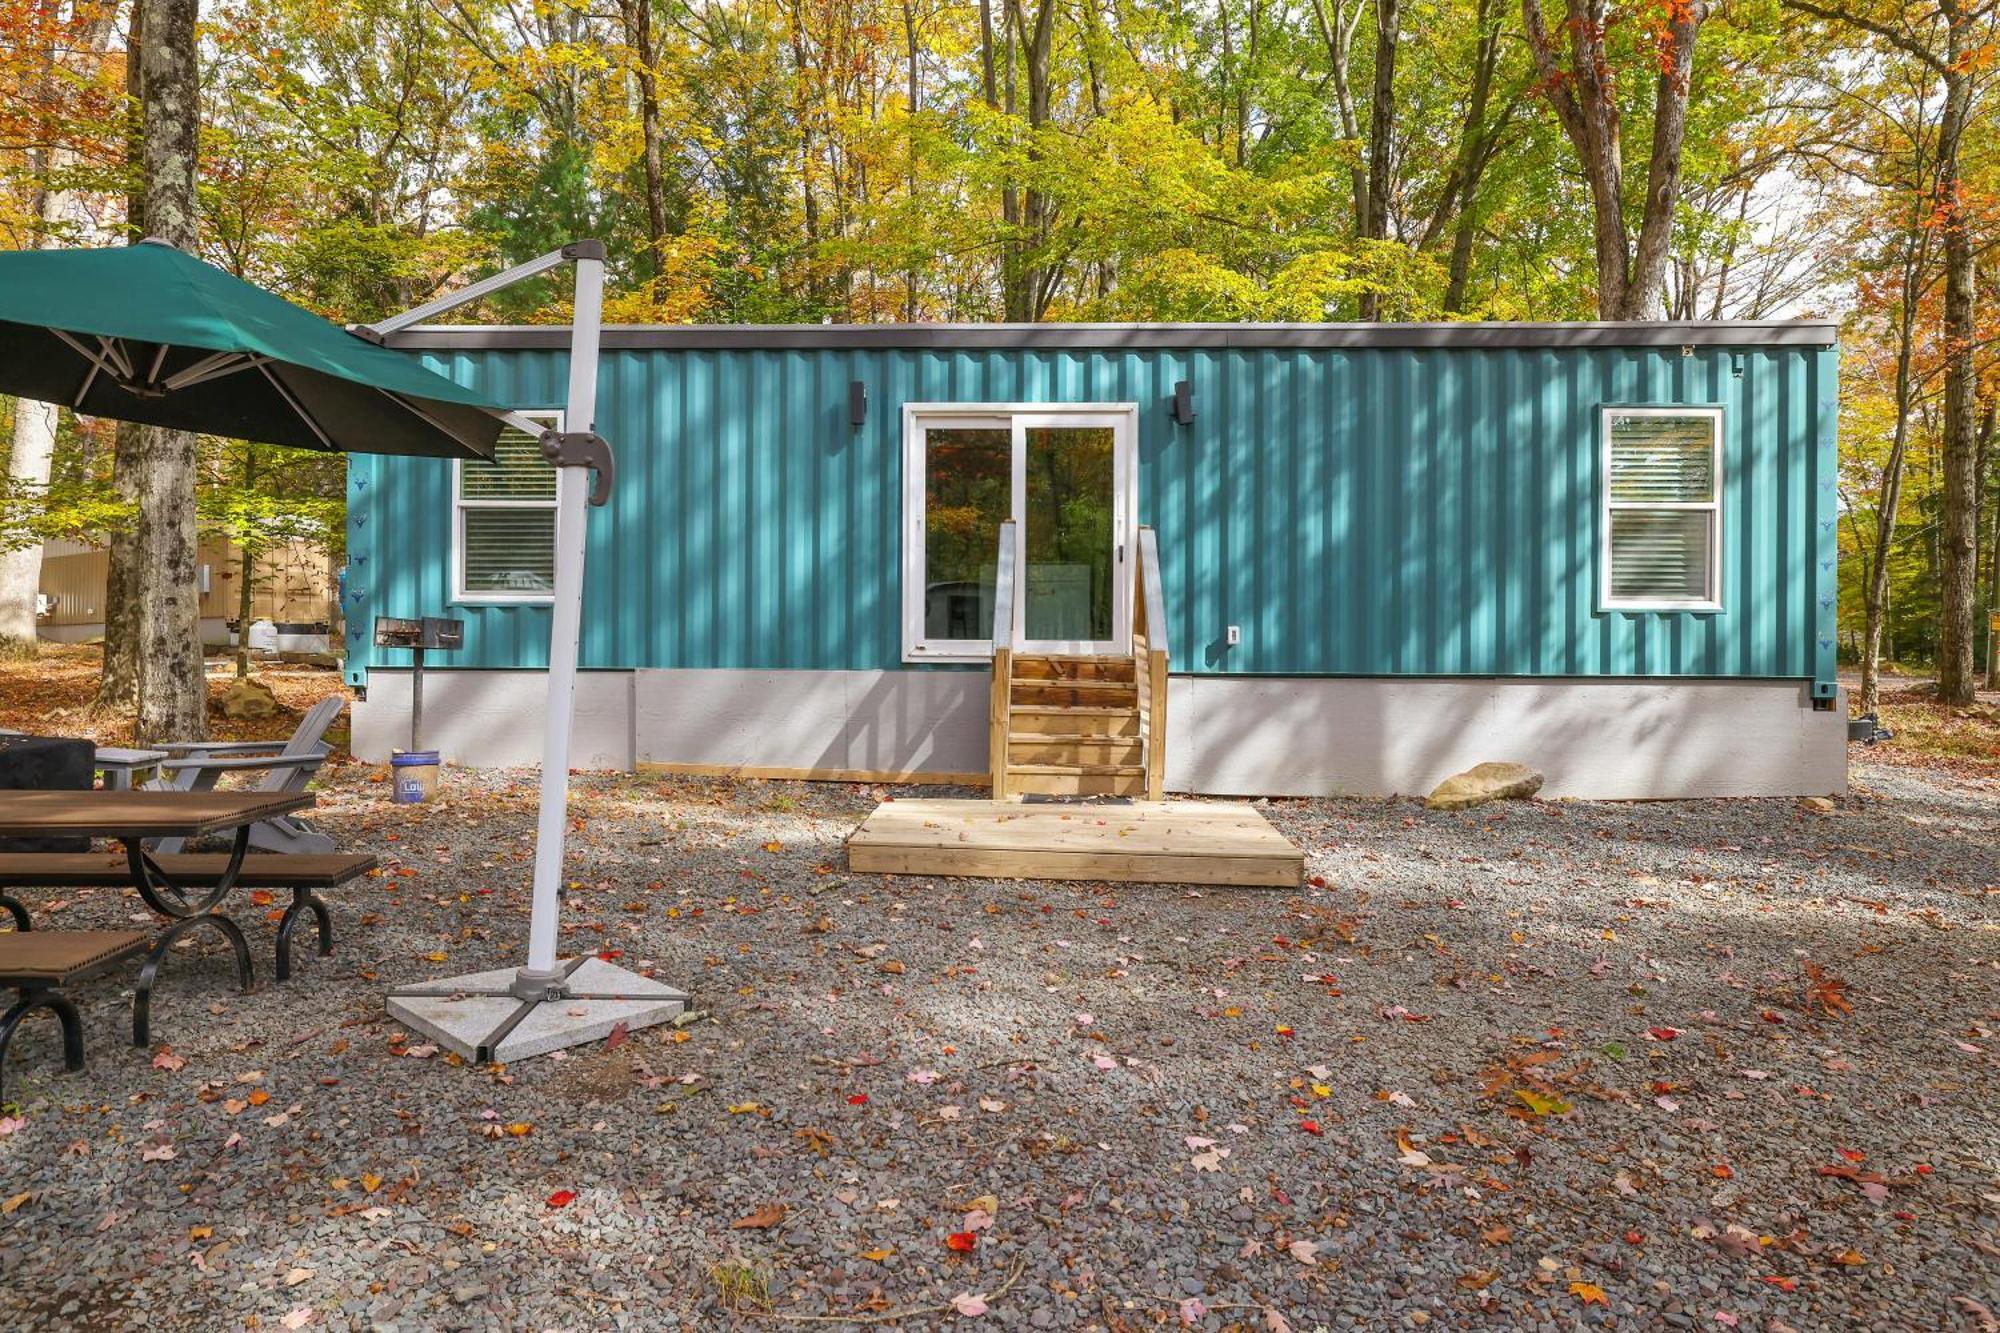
(1538, 1066)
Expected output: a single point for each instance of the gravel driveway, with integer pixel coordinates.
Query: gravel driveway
(1545, 1065)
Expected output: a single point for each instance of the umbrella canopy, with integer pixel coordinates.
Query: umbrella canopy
(147, 333)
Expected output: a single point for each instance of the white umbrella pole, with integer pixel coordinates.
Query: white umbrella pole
(565, 628)
(508, 1014)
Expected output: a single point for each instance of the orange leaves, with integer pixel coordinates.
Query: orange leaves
(1589, 1293)
(766, 1216)
(1826, 992)
(962, 1242)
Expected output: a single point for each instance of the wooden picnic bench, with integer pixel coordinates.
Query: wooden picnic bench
(186, 888)
(304, 874)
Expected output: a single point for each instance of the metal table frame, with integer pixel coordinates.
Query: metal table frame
(188, 912)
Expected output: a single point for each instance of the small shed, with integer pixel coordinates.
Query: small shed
(1373, 554)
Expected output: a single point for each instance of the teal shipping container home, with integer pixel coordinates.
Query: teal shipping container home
(1372, 555)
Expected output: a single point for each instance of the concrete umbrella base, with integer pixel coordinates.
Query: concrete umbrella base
(481, 1017)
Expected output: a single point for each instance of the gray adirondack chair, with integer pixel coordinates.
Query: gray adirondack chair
(286, 765)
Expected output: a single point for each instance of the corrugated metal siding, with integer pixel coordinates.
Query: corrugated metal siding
(1357, 511)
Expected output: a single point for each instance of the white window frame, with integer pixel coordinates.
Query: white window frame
(1606, 506)
(1016, 418)
(460, 594)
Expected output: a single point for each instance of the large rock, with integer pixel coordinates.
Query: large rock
(1485, 782)
(248, 699)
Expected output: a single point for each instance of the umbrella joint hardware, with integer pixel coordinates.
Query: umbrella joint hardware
(584, 448)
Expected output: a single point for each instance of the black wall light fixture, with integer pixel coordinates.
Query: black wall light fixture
(1183, 402)
(857, 403)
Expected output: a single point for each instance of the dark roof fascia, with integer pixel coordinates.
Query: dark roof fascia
(1125, 337)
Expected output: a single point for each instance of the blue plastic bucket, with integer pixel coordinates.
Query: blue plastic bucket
(414, 773)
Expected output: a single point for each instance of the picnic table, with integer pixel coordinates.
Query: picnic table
(130, 818)
(133, 817)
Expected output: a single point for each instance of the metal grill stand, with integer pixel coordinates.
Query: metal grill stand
(549, 1003)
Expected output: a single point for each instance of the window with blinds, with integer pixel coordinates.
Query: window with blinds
(1662, 519)
(505, 518)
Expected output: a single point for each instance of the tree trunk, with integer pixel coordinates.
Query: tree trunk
(1381, 136)
(1337, 30)
(35, 423)
(246, 575)
(1993, 586)
(21, 567)
(173, 693)
(638, 21)
(1875, 596)
(1959, 538)
(118, 681)
(914, 94)
(1475, 146)
(1584, 96)
(1648, 273)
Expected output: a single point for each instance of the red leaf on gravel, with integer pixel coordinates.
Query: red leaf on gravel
(1663, 1034)
(562, 1198)
(1310, 1127)
(858, 1099)
(616, 1038)
(965, 1242)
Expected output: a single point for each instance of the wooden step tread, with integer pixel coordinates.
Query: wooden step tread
(1066, 738)
(1083, 770)
(1077, 709)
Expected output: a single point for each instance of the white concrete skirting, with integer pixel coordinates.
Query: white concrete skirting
(856, 722)
(1227, 735)
(1609, 739)
(493, 719)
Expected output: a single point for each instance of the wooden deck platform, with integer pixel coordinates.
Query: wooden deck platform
(1146, 842)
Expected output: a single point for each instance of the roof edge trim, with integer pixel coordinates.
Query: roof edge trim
(1124, 337)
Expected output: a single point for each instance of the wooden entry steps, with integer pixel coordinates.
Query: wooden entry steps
(1140, 842)
(1080, 725)
(1073, 727)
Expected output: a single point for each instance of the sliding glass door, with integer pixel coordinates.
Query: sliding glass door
(1065, 478)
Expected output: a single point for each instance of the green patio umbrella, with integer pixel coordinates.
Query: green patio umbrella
(147, 333)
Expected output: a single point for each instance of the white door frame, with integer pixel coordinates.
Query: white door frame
(1017, 418)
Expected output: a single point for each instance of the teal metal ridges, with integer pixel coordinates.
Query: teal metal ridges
(1358, 511)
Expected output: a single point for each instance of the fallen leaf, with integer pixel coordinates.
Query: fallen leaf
(965, 1242)
(1541, 1103)
(767, 1215)
(14, 1204)
(298, 1318)
(1589, 1293)
(969, 1305)
(298, 1275)
(562, 1198)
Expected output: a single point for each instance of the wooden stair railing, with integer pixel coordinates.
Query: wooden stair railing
(1079, 725)
(1149, 661)
(1000, 718)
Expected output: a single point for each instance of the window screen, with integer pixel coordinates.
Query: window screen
(1662, 506)
(506, 513)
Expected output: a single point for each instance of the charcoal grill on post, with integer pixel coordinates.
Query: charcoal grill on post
(419, 635)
